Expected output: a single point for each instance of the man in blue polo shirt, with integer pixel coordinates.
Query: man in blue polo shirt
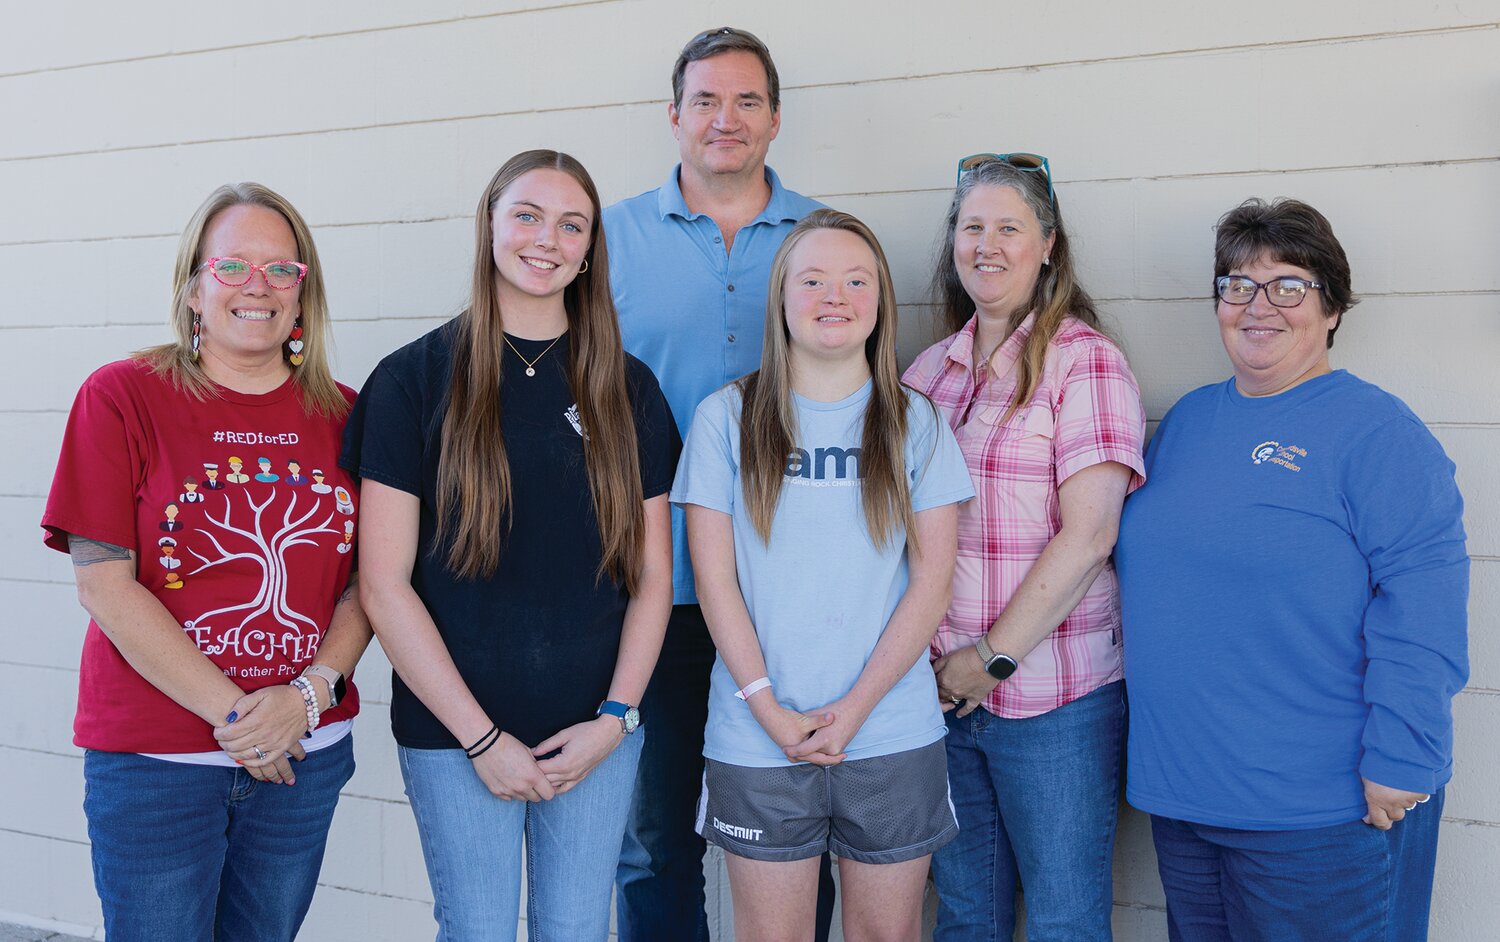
(689, 262)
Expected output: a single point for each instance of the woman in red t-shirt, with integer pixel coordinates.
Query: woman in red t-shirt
(212, 701)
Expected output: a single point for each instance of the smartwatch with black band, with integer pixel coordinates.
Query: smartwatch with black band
(998, 666)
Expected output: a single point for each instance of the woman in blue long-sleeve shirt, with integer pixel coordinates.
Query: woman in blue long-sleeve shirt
(1293, 583)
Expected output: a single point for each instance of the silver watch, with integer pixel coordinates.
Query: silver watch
(333, 678)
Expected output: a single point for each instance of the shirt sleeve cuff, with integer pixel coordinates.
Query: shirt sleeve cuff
(1087, 459)
(1394, 773)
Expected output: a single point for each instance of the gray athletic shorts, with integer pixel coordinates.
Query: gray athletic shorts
(881, 810)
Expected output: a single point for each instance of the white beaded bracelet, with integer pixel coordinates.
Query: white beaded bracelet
(752, 688)
(309, 700)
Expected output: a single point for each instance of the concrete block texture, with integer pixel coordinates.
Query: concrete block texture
(383, 121)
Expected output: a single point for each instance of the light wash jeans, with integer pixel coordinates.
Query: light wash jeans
(476, 844)
(1037, 801)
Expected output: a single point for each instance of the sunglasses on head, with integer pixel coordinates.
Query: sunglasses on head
(1032, 163)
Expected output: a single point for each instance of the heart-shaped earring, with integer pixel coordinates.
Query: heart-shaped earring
(295, 344)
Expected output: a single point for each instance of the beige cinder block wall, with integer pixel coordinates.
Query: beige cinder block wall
(382, 122)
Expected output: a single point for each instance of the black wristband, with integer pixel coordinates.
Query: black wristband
(484, 742)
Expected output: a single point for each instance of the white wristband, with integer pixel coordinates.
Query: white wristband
(752, 688)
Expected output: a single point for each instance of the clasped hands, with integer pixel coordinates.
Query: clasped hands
(273, 720)
(511, 771)
(818, 736)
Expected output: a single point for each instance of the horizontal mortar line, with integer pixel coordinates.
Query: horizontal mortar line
(1196, 51)
(375, 798)
(1482, 558)
(45, 837)
(304, 37)
(42, 752)
(26, 581)
(40, 667)
(468, 216)
(1482, 691)
(1474, 821)
(852, 83)
(1338, 39)
(1144, 907)
(355, 889)
(1199, 175)
(346, 129)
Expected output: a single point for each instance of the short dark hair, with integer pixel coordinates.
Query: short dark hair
(1293, 233)
(716, 42)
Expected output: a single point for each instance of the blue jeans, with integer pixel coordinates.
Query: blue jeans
(475, 845)
(1037, 802)
(204, 852)
(660, 877)
(1349, 882)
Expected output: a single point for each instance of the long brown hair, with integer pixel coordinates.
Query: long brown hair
(474, 488)
(768, 420)
(1056, 296)
(174, 360)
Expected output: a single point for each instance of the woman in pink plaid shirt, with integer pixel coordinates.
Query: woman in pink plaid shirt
(1027, 657)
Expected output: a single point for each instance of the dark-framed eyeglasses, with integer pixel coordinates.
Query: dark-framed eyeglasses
(234, 272)
(1281, 292)
(1032, 163)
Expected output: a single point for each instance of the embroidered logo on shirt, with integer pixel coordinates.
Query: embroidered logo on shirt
(1277, 453)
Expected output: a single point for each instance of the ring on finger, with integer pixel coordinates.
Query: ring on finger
(259, 752)
(1413, 806)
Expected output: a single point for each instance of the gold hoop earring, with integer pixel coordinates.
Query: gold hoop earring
(584, 267)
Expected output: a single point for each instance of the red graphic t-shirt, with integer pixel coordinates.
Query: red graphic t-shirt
(243, 525)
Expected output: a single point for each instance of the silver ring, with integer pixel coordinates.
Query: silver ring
(955, 700)
(1423, 801)
(1414, 806)
(259, 753)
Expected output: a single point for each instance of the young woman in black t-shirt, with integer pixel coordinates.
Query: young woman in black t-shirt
(515, 551)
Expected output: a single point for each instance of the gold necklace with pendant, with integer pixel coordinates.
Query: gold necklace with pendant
(531, 364)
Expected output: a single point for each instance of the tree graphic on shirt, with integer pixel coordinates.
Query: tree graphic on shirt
(262, 542)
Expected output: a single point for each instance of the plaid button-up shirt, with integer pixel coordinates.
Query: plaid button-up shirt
(1086, 410)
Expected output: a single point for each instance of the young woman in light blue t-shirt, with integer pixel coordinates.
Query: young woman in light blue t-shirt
(820, 499)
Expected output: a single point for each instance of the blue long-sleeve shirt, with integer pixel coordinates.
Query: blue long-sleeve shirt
(1293, 586)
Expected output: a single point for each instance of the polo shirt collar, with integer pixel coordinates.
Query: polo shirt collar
(779, 209)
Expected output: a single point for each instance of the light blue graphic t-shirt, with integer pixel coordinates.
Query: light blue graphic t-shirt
(821, 593)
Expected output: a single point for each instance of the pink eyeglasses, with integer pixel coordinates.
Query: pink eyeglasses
(236, 272)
